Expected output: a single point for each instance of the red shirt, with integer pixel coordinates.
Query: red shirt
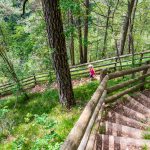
(92, 72)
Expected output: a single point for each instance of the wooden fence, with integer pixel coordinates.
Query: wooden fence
(82, 135)
(78, 71)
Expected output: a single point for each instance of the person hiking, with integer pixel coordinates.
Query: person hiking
(92, 71)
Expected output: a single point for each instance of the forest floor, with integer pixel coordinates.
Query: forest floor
(76, 82)
(41, 122)
(40, 88)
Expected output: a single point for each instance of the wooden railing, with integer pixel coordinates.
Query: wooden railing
(78, 71)
(82, 135)
(112, 63)
(27, 83)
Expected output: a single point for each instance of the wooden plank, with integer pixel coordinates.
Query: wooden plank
(26, 78)
(2, 85)
(41, 77)
(5, 87)
(28, 83)
(30, 79)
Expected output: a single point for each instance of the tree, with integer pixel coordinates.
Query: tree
(80, 38)
(86, 26)
(106, 33)
(57, 43)
(72, 57)
(9, 66)
(125, 27)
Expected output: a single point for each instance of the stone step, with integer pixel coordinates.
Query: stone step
(135, 105)
(130, 113)
(109, 142)
(123, 131)
(123, 120)
(143, 99)
(147, 93)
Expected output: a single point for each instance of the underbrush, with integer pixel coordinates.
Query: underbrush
(40, 123)
(147, 135)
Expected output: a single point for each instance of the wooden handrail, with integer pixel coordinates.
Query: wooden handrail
(126, 83)
(127, 72)
(80, 133)
(112, 58)
(116, 96)
(75, 136)
(86, 136)
(73, 74)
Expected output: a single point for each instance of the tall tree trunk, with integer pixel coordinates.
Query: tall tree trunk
(131, 24)
(86, 21)
(106, 33)
(80, 40)
(57, 43)
(130, 36)
(125, 27)
(72, 40)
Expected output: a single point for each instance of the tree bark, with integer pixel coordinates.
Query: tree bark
(72, 40)
(86, 21)
(130, 35)
(57, 43)
(80, 40)
(131, 24)
(106, 33)
(125, 27)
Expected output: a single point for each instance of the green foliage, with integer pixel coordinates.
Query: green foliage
(19, 143)
(145, 147)
(6, 122)
(147, 136)
(42, 123)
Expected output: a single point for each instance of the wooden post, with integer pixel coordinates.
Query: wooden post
(141, 58)
(35, 81)
(143, 80)
(103, 74)
(116, 61)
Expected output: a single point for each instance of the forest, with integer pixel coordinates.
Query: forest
(44, 47)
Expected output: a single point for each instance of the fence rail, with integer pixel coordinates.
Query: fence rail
(82, 135)
(79, 71)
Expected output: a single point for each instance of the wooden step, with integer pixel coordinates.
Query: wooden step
(147, 93)
(123, 120)
(143, 99)
(135, 105)
(130, 113)
(123, 131)
(109, 142)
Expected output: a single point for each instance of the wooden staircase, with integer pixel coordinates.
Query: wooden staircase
(126, 125)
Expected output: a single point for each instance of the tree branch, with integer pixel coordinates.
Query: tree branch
(24, 7)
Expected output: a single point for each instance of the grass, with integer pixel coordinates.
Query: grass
(40, 123)
(145, 147)
(147, 135)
